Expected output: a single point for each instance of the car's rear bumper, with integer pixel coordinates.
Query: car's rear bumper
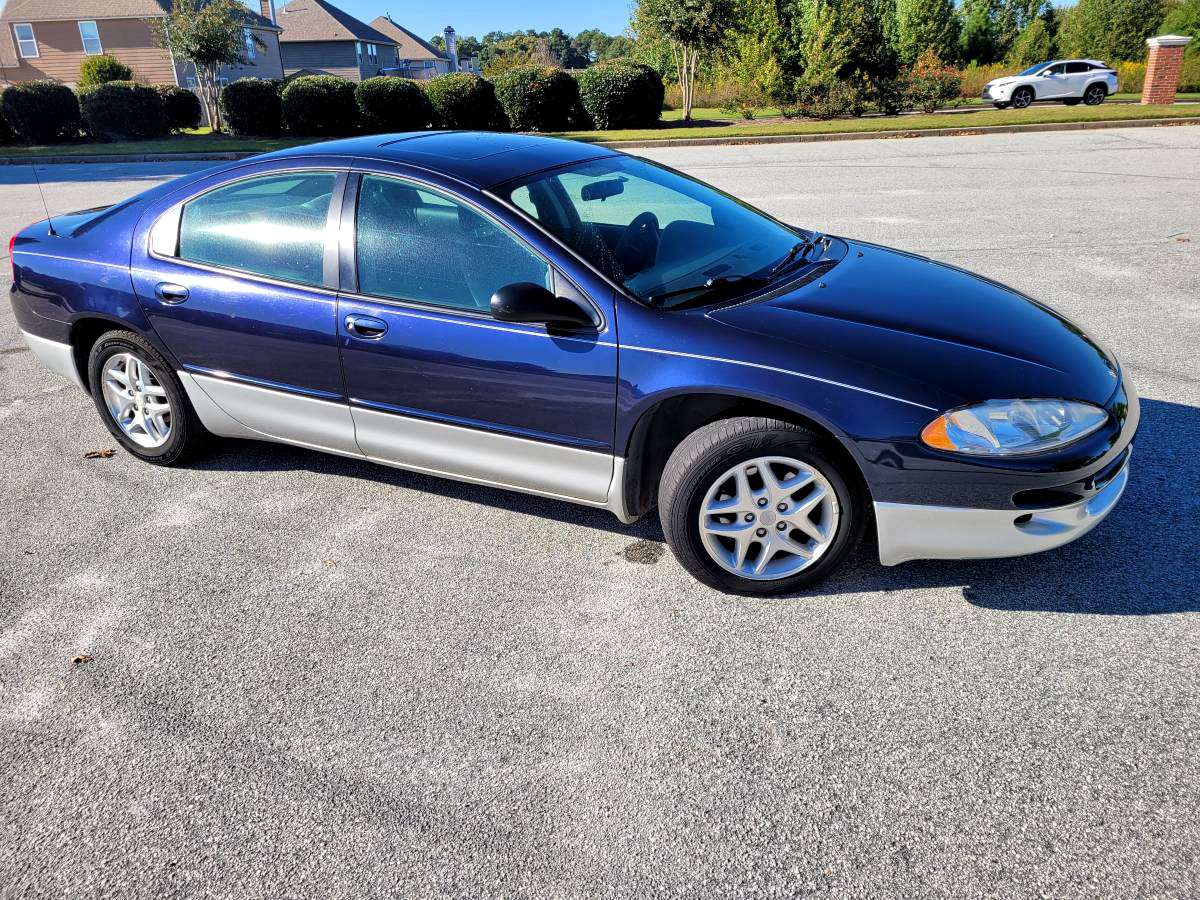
(912, 531)
(56, 357)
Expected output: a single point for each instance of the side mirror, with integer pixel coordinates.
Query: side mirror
(532, 303)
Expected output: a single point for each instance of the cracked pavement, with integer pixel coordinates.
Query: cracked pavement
(310, 676)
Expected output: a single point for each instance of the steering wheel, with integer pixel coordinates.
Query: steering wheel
(638, 247)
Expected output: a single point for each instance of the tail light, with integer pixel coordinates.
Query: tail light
(12, 242)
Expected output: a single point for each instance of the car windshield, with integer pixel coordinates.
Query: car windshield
(1032, 70)
(669, 240)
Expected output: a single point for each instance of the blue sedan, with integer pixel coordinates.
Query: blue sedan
(573, 322)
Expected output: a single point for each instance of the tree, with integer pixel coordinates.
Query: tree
(208, 34)
(979, 39)
(1033, 45)
(1109, 29)
(750, 62)
(1184, 18)
(694, 29)
(926, 25)
(826, 41)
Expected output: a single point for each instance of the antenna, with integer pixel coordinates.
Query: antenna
(45, 205)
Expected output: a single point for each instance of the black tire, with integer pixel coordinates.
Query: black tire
(187, 435)
(1095, 94)
(1000, 105)
(704, 455)
(1073, 101)
(1022, 97)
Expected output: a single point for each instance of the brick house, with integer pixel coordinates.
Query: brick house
(320, 39)
(51, 38)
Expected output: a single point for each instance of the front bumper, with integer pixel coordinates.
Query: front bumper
(911, 531)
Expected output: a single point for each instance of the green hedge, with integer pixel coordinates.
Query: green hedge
(387, 105)
(102, 69)
(320, 106)
(181, 108)
(41, 112)
(252, 106)
(464, 101)
(621, 94)
(538, 98)
(122, 111)
(6, 133)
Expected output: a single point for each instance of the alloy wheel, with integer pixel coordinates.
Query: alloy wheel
(768, 518)
(137, 400)
(1094, 96)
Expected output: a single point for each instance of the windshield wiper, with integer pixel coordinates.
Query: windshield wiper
(800, 251)
(723, 281)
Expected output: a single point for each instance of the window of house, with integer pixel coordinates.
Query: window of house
(373, 50)
(26, 42)
(251, 47)
(272, 226)
(91, 38)
(358, 49)
(418, 245)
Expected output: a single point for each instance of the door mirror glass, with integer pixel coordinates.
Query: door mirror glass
(532, 303)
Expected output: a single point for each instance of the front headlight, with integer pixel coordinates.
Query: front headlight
(1013, 427)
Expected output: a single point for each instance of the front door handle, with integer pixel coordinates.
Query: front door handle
(366, 327)
(171, 293)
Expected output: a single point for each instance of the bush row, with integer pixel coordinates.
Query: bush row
(45, 112)
(616, 94)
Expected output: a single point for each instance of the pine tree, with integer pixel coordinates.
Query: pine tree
(926, 24)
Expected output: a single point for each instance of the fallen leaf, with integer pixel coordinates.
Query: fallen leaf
(331, 562)
(1184, 240)
(106, 453)
(81, 659)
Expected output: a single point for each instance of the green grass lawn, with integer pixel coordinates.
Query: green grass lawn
(1033, 116)
(710, 124)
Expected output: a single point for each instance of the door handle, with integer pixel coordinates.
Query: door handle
(171, 293)
(366, 327)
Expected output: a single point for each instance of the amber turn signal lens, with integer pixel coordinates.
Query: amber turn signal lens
(934, 435)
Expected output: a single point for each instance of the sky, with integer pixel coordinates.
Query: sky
(478, 17)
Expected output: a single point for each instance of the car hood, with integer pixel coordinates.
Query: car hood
(912, 327)
(1006, 80)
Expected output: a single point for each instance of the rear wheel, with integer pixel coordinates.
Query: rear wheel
(1022, 97)
(1095, 94)
(141, 400)
(758, 506)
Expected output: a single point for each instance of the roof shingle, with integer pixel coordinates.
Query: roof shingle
(410, 46)
(317, 20)
(72, 10)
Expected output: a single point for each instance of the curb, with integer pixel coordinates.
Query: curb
(819, 137)
(962, 131)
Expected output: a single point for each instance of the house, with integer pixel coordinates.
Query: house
(417, 58)
(51, 38)
(320, 39)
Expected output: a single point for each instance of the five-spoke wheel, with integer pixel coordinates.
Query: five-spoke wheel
(759, 506)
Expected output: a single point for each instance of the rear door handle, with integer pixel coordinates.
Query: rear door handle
(366, 327)
(171, 293)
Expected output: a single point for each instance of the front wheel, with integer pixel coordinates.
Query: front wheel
(141, 400)
(759, 506)
(1095, 94)
(1022, 97)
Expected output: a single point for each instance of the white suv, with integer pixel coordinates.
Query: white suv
(1069, 80)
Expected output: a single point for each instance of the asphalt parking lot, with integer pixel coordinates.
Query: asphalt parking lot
(315, 677)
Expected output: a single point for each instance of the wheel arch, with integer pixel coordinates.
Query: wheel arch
(89, 328)
(1100, 83)
(666, 420)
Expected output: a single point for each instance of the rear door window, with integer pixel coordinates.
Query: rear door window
(272, 226)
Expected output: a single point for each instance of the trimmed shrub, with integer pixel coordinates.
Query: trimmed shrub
(319, 105)
(464, 101)
(537, 98)
(181, 108)
(826, 100)
(932, 84)
(387, 105)
(621, 94)
(102, 69)
(41, 112)
(887, 95)
(252, 106)
(6, 133)
(122, 111)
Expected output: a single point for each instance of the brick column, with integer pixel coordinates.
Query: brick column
(1162, 68)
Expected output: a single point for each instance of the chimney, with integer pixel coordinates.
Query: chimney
(451, 48)
(267, 7)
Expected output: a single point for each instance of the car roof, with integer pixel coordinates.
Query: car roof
(480, 158)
